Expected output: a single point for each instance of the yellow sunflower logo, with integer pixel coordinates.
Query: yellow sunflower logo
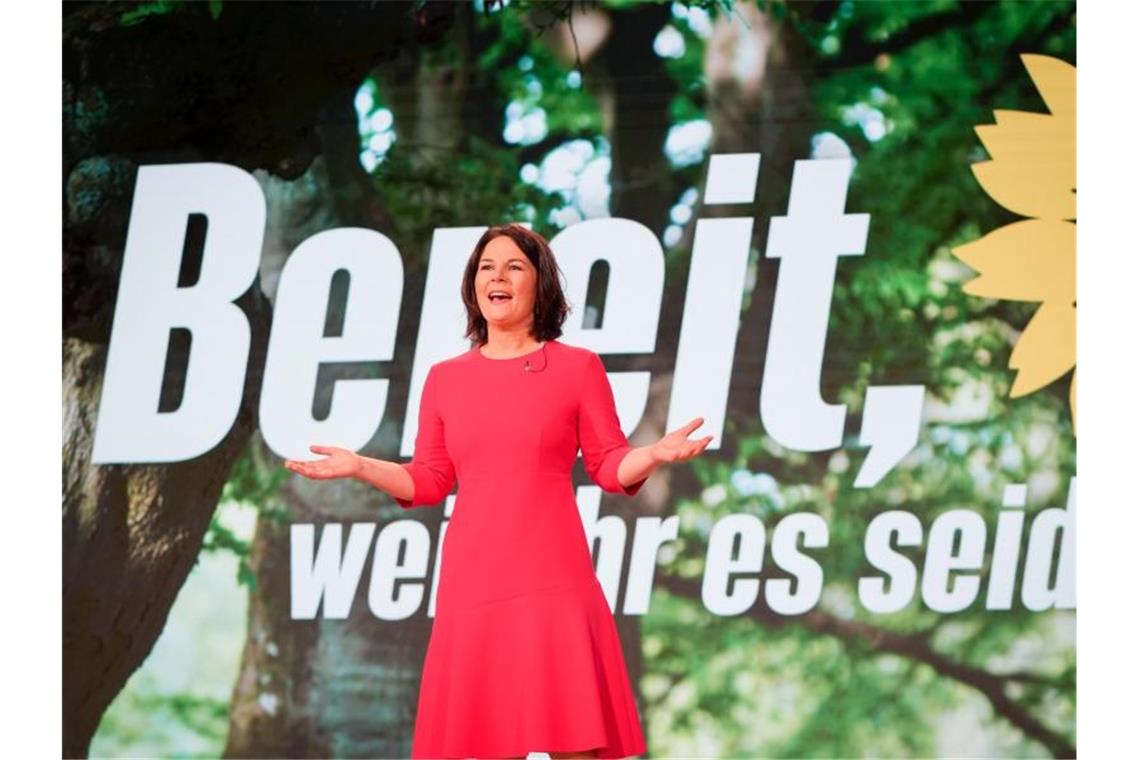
(1033, 173)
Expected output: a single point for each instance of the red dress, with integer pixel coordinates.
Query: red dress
(524, 654)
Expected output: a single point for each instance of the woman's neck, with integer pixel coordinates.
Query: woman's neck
(506, 345)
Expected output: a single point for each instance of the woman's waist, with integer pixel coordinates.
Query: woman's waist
(513, 476)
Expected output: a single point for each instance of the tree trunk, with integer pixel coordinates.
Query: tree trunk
(634, 91)
(765, 109)
(343, 688)
(131, 533)
(770, 114)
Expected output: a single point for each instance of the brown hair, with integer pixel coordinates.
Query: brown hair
(550, 306)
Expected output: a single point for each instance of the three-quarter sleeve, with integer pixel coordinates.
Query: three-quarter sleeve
(431, 468)
(600, 437)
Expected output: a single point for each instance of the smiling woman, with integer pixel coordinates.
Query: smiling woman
(524, 653)
(512, 291)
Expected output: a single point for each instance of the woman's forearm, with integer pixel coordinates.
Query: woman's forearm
(637, 465)
(388, 477)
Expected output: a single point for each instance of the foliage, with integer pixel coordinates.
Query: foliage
(480, 186)
(177, 704)
(142, 10)
(197, 717)
(256, 481)
(903, 298)
(750, 685)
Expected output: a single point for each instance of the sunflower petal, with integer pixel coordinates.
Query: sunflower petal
(1056, 80)
(1030, 260)
(1047, 348)
(1033, 171)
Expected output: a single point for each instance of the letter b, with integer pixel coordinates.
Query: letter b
(130, 427)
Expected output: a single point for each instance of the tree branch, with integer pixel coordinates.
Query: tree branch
(915, 647)
(859, 51)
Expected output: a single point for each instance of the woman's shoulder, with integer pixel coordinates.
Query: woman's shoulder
(579, 353)
(572, 356)
(452, 365)
(579, 363)
(579, 356)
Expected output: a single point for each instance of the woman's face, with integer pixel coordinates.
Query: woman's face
(504, 268)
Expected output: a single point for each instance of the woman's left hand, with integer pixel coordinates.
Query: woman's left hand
(676, 446)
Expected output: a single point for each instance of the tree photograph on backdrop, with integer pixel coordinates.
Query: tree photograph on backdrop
(854, 241)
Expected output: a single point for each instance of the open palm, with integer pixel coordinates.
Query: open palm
(339, 463)
(676, 446)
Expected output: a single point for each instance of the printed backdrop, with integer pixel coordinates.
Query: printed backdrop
(841, 232)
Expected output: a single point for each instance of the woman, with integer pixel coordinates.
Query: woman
(524, 653)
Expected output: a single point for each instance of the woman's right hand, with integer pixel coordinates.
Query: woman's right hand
(339, 463)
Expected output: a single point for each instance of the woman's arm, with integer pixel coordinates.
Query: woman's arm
(392, 478)
(389, 477)
(609, 459)
(639, 463)
(427, 479)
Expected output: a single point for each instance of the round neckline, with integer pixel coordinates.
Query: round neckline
(478, 350)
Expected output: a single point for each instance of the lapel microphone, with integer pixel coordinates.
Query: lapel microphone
(526, 364)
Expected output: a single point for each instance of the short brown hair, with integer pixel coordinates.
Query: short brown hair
(550, 306)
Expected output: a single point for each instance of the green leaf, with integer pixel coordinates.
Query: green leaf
(142, 10)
